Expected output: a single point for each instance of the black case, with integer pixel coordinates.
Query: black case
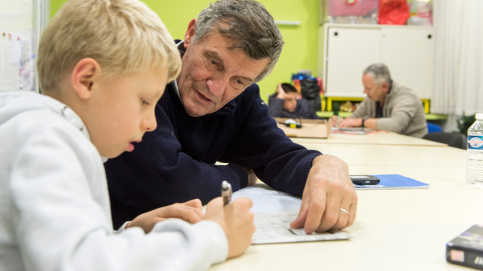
(467, 248)
(364, 179)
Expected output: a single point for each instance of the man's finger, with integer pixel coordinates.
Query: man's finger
(316, 210)
(299, 222)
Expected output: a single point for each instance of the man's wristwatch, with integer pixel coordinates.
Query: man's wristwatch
(363, 119)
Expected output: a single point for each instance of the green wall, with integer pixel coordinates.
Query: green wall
(300, 49)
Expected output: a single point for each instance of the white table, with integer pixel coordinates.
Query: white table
(394, 229)
(397, 155)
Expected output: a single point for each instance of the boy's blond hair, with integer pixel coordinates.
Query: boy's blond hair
(121, 35)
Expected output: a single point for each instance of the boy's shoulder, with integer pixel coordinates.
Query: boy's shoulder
(19, 101)
(29, 110)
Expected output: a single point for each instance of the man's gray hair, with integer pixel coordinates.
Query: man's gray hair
(246, 22)
(380, 73)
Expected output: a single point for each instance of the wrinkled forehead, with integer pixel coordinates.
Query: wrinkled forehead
(368, 80)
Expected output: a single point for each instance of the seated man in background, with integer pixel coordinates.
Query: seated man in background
(388, 106)
(284, 103)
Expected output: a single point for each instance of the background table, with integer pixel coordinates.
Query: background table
(372, 138)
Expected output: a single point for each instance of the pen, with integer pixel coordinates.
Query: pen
(226, 192)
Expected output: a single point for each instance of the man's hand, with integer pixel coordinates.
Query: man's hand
(350, 122)
(190, 211)
(252, 177)
(328, 190)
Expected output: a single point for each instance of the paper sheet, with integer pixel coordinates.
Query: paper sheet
(275, 228)
(267, 200)
(274, 210)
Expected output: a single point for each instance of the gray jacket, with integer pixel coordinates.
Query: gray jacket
(402, 113)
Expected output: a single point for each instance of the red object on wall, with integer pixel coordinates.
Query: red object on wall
(352, 7)
(319, 82)
(393, 12)
(296, 84)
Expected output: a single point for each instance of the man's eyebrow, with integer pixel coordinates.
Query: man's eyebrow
(218, 59)
(249, 80)
(215, 56)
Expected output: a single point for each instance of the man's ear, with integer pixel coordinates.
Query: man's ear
(189, 33)
(84, 75)
(385, 87)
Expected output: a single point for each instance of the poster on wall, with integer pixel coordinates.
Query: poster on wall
(21, 23)
(26, 65)
(16, 63)
(9, 62)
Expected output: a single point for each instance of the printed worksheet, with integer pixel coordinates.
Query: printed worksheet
(274, 211)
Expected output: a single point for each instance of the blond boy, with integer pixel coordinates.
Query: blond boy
(102, 66)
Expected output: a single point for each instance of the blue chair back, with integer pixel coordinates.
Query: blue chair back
(432, 128)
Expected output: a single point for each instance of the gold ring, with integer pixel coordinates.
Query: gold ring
(344, 211)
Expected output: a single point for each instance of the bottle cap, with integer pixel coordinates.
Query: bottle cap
(479, 116)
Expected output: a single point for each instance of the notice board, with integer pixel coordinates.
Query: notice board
(21, 22)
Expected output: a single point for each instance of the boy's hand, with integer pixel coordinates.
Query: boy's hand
(190, 211)
(280, 92)
(236, 220)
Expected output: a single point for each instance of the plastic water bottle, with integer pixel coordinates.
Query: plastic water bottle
(474, 164)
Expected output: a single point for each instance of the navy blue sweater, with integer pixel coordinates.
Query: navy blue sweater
(176, 162)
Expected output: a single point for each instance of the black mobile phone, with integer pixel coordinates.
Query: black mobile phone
(364, 179)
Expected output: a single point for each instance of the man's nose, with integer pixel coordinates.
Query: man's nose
(217, 85)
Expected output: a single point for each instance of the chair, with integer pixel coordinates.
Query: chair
(432, 127)
(456, 140)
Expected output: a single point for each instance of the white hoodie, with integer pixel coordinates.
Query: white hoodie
(54, 204)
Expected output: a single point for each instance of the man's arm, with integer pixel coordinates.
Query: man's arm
(403, 108)
(363, 109)
(322, 179)
(263, 147)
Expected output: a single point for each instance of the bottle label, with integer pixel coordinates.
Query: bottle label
(475, 142)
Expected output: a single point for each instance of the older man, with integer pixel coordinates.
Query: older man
(213, 112)
(388, 106)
